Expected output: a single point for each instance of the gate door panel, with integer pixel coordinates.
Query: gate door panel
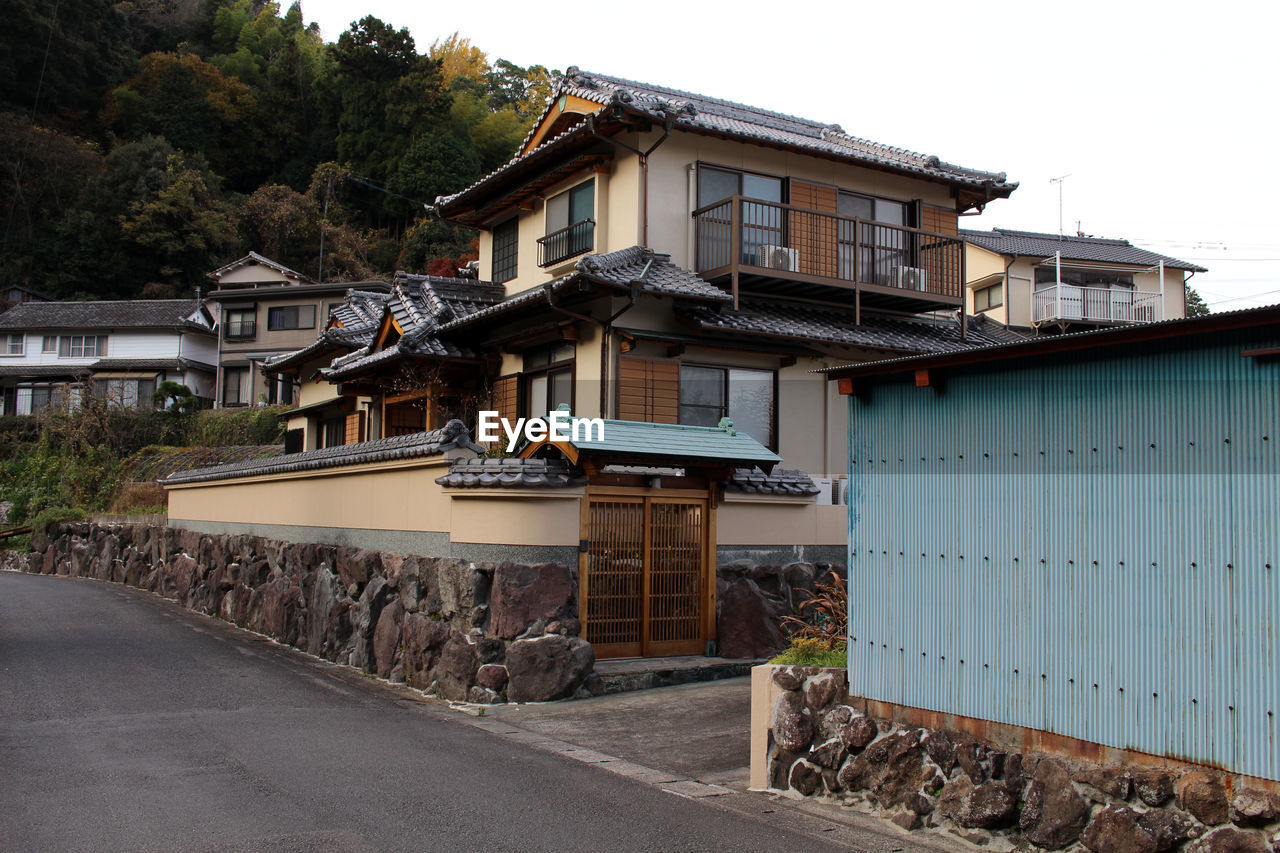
(644, 575)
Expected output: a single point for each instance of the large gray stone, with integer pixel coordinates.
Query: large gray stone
(986, 806)
(523, 594)
(792, 722)
(892, 769)
(1169, 827)
(423, 638)
(386, 638)
(1153, 787)
(1054, 815)
(1231, 840)
(746, 627)
(1254, 808)
(1205, 797)
(1116, 829)
(548, 667)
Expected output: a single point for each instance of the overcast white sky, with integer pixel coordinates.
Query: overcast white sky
(1163, 114)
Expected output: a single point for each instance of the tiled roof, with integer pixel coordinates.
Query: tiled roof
(714, 115)
(255, 258)
(40, 370)
(510, 473)
(838, 325)
(734, 119)
(151, 364)
(433, 443)
(780, 481)
(618, 269)
(121, 314)
(1004, 241)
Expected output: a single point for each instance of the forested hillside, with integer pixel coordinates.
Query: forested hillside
(144, 143)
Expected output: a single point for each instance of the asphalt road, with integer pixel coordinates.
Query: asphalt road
(127, 723)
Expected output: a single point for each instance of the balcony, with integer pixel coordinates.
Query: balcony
(1071, 303)
(783, 249)
(577, 239)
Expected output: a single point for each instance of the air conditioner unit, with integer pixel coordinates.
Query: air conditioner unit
(826, 496)
(779, 258)
(911, 278)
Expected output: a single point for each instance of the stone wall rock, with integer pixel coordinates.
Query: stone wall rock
(926, 780)
(437, 623)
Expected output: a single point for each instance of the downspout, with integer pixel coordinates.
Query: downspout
(667, 124)
(1008, 294)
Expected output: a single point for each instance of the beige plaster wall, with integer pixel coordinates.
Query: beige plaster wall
(505, 517)
(772, 521)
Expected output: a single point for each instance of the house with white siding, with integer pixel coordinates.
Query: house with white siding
(118, 350)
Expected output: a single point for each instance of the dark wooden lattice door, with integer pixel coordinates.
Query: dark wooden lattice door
(644, 575)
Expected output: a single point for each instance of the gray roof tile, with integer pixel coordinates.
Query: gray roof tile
(510, 473)
(780, 481)
(432, 443)
(1004, 241)
(121, 314)
(838, 325)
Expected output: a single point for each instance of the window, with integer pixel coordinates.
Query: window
(49, 344)
(333, 432)
(762, 220)
(876, 254)
(505, 242)
(280, 390)
(1047, 276)
(548, 379)
(126, 393)
(15, 344)
(570, 227)
(743, 395)
(235, 386)
(988, 298)
(240, 323)
(291, 317)
(82, 346)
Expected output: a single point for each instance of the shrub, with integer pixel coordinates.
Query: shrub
(824, 617)
(812, 651)
(54, 515)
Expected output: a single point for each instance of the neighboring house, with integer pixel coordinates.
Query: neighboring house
(120, 351)
(16, 294)
(1053, 282)
(266, 309)
(1109, 500)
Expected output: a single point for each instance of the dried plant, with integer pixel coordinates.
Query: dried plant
(824, 615)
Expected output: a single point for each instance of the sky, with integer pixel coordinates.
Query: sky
(1163, 116)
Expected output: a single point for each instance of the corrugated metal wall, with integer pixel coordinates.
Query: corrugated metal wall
(1090, 548)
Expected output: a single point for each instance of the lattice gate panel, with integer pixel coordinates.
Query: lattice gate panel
(676, 551)
(615, 575)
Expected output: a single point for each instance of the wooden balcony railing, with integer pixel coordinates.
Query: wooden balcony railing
(1066, 303)
(742, 234)
(561, 245)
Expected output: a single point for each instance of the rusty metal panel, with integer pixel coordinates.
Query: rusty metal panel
(1090, 548)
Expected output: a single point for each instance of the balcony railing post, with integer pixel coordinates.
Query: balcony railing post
(735, 247)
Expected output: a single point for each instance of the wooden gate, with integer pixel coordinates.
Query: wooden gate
(645, 585)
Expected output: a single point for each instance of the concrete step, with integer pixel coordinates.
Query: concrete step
(620, 675)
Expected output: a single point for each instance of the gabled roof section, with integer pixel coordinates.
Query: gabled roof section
(1004, 241)
(255, 258)
(101, 316)
(618, 101)
(831, 324)
(650, 272)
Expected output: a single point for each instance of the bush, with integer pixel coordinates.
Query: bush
(54, 515)
(223, 427)
(811, 651)
(824, 616)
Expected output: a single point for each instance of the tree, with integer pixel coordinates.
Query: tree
(175, 398)
(187, 225)
(275, 217)
(196, 107)
(1195, 305)
(459, 58)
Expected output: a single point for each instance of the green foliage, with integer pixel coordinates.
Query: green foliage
(227, 427)
(54, 515)
(1196, 306)
(227, 135)
(175, 398)
(811, 651)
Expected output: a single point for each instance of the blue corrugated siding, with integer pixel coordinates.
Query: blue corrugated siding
(1089, 548)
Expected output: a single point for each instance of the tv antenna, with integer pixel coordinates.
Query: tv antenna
(1059, 180)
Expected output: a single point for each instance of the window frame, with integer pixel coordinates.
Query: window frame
(274, 311)
(67, 346)
(10, 338)
(238, 371)
(987, 291)
(726, 389)
(550, 368)
(229, 335)
(504, 268)
(784, 185)
(49, 345)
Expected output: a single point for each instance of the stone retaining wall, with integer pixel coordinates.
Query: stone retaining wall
(924, 780)
(473, 631)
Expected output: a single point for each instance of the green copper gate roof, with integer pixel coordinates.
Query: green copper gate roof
(681, 444)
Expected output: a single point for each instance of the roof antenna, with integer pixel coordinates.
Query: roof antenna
(1058, 180)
